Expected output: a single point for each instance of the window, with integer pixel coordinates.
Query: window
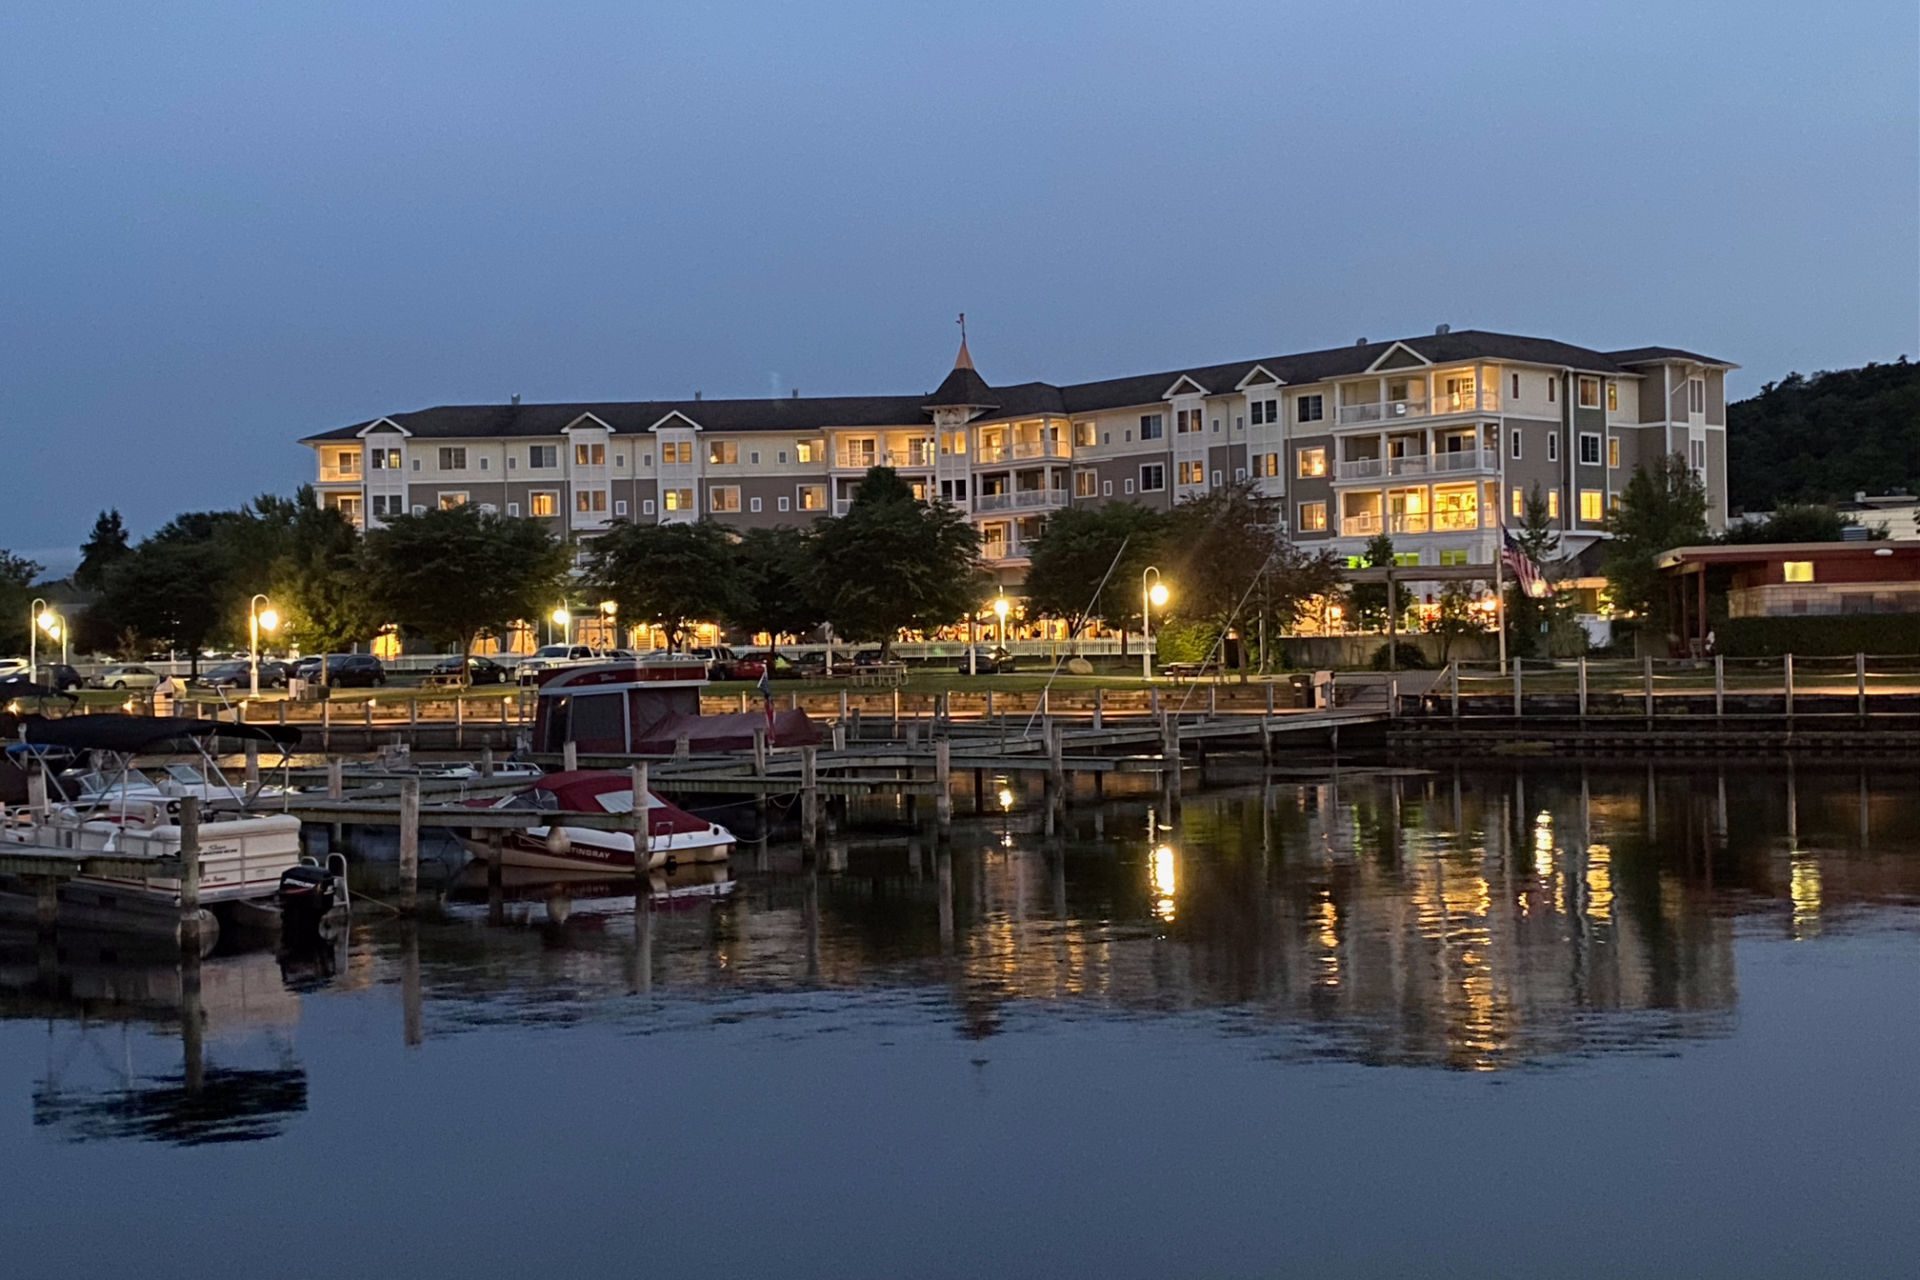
(483, 463)
(753, 459)
(347, 462)
(1310, 463)
(1083, 435)
(543, 502)
(809, 450)
(1515, 395)
(955, 444)
(619, 459)
(785, 502)
(1553, 505)
(676, 499)
(646, 507)
(646, 460)
(1152, 426)
(1193, 473)
(589, 501)
(1553, 447)
(1797, 571)
(453, 458)
(953, 490)
(590, 455)
(419, 510)
(1697, 454)
(1518, 504)
(1516, 444)
(1153, 478)
(1613, 397)
(1216, 424)
(723, 452)
(540, 457)
(1453, 557)
(1589, 449)
(384, 459)
(1313, 517)
(753, 505)
(1266, 465)
(1553, 388)
(1589, 393)
(388, 504)
(723, 498)
(513, 508)
(1086, 484)
(783, 457)
(620, 507)
(1129, 486)
(1186, 422)
(811, 497)
(676, 453)
(1106, 488)
(1696, 395)
(1239, 474)
(1593, 505)
(416, 464)
(1265, 411)
(1309, 409)
(448, 501)
(1613, 452)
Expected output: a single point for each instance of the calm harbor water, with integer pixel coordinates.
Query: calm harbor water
(1521, 1021)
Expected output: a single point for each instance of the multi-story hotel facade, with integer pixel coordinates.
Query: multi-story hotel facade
(1436, 441)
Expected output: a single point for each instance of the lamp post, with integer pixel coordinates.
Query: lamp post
(258, 619)
(40, 617)
(563, 620)
(1001, 608)
(1150, 595)
(609, 613)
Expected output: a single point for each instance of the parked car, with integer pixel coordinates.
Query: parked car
(307, 668)
(987, 661)
(62, 677)
(239, 675)
(126, 675)
(350, 670)
(724, 664)
(479, 670)
(777, 665)
(13, 667)
(548, 656)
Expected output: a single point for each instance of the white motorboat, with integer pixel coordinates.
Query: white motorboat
(674, 835)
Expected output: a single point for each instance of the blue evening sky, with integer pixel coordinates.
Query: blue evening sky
(226, 226)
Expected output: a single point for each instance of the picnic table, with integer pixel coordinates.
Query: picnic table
(878, 675)
(1190, 670)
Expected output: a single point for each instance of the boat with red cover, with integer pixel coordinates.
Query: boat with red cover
(648, 707)
(674, 835)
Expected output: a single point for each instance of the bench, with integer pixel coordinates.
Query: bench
(442, 682)
(1190, 670)
(878, 675)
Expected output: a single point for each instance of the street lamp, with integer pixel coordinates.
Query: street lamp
(258, 619)
(40, 617)
(610, 610)
(1150, 597)
(563, 620)
(1000, 610)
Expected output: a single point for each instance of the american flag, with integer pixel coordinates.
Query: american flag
(1525, 572)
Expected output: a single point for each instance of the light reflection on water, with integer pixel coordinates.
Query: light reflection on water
(1530, 922)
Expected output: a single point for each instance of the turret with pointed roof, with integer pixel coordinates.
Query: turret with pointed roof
(963, 388)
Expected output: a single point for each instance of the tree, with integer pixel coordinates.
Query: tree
(1076, 552)
(1795, 522)
(319, 582)
(894, 563)
(455, 573)
(671, 575)
(105, 547)
(1457, 615)
(1293, 584)
(1826, 437)
(1529, 618)
(17, 576)
(1663, 506)
(1369, 601)
(168, 590)
(774, 575)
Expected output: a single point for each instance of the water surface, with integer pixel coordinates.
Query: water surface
(1512, 1021)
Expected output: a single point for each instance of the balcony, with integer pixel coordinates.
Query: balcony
(1020, 500)
(1023, 450)
(1461, 462)
(1001, 552)
(899, 459)
(1376, 413)
(339, 475)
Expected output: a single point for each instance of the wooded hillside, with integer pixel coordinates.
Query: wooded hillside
(1824, 438)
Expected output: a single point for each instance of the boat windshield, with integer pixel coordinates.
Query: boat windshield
(186, 775)
(536, 798)
(95, 783)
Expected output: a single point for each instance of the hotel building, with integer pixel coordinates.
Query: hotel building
(1434, 440)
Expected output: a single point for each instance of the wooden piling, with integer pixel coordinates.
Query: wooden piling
(496, 871)
(1099, 708)
(1646, 682)
(1719, 686)
(1056, 760)
(409, 844)
(1786, 671)
(190, 873)
(1170, 750)
(486, 760)
(253, 766)
(336, 779)
(839, 733)
(809, 800)
(943, 780)
(459, 721)
(1583, 686)
(1860, 683)
(760, 751)
(1453, 689)
(1517, 664)
(642, 832)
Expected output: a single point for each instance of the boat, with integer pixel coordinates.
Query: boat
(674, 835)
(651, 707)
(252, 875)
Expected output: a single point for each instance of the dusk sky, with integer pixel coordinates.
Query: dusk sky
(230, 226)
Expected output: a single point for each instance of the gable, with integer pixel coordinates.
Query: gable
(675, 421)
(1259, 376)
(386, 426)
(587, 421)
(1399, 356)
(1184, 386)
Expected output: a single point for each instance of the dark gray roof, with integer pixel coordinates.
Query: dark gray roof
(1659, 355)
(966, 388)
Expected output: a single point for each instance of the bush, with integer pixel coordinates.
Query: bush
(1819, 635)
(1405, 656)
(1178, 641)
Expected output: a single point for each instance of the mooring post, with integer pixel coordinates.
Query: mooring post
(326, 720)
(809, 800)
(943, 782)
(1860, 683)
(37, 787)
(642, 833)
(744, 708)
(1719, 686)
(409, 843)
(760, 751)
(496, 864)
(336, 778)
(1646, 684)
(1583, 686)
(1393, 697)
(486, 760)
(1453, 689)
(853, 726)
(1153, 701)
(569, 755)
(1170, 750)
(459, 721)
(281, 708)
(839, 732)
(842, 717)
(1056, 759)
(943, 709)
(1213, 698)
(913, 736)
(1099, 709)
(413, 715)
(1517, 664)
(253, 765)
(1786, 671)
(989, 711)
(190, 873)
(896, 715)
(1269, 708)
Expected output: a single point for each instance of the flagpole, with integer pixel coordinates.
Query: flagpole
(1499, 586)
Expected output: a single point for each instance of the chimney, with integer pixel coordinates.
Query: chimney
(796, 393)
(1442, 330)
(696, 396)
(1359, 342)
(516, 397)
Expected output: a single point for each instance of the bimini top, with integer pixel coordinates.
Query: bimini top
(146, 733)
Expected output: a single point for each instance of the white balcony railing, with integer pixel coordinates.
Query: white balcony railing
(999, 552)
(1020, 499)
(1361, 526)
(1419, 464)
(1022, 450)
(1373, 413)
(339, 475)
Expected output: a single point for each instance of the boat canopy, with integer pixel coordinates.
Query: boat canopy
(132, 734)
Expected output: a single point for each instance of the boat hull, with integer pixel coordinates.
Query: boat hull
(580, 849)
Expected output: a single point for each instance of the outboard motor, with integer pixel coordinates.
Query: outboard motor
(306, 894)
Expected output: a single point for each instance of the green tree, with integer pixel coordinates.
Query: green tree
(894, 563)
(1530, 618)
(457, 573)
(1826, 437)
(773, 574)
(319, 582)
(1795, 522)
(671, 575)
(1663, 506)
(1074, 554)
(17, 576)
(1457, 615)
(169, 590)
(105, 547)
(1369, 601)
(1293, 584)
